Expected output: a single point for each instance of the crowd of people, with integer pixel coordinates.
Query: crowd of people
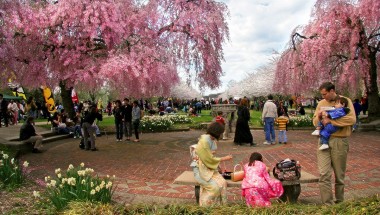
(334, 117)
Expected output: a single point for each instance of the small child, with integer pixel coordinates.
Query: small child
(220, 118)
(257, 186)
(325, 132)
(282, 121)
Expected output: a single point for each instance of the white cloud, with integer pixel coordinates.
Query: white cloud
(257, 27)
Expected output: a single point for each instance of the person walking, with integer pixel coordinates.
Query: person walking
(88, 129)
(335, 157)
(136, 116)
(268, 116)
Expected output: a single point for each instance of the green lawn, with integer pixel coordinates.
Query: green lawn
(203, 118)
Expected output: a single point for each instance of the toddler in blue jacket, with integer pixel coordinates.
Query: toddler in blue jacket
(340, 109)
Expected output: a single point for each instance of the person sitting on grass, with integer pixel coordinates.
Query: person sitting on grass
(28, 135)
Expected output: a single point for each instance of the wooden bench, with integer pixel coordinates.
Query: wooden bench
(292, 189)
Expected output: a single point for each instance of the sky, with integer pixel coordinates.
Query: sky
(257, 28)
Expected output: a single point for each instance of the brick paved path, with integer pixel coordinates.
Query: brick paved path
(145, 171)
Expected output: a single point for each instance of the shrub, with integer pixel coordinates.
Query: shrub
(78, 184)
(155, 123)
(11, 174)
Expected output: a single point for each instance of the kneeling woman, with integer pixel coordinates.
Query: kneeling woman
(205, 167)
(257, 186)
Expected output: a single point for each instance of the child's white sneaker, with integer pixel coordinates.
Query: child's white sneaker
(315, 133)
(323, 147)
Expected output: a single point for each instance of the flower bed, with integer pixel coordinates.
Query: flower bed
(300, 121)
(11, 174)
(162, 123)
(77, 184)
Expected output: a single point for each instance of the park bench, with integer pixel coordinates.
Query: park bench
(292, 189)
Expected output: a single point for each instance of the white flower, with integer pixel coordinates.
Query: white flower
(71, 181)
(26, 164)
(89, 170)
(83, 181)
(82, 164)
(57, 171)
(70, 167)
(36, 194)
(53, 183)
(60, 186)
(59, 175)
(12, 161)
(92, 184)
(81, 172)
(97, 188)
(64, 180)
(5, 156)
(109, 184)
(102, 184)
(47, 178)
(92, 192)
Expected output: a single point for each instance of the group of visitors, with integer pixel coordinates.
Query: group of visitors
(257, 186)
(127, 118)
(13, 111)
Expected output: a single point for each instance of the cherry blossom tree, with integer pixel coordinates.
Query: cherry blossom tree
(136, 47)
(257, 83)
(184, 91)
(340, 44)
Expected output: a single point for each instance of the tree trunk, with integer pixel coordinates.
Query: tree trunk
(373, 93)
(67, 102)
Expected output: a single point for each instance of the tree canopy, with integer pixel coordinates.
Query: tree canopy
(341, 44)
(137, 47)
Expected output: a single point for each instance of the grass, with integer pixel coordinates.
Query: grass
(370, 205)
(109, 121)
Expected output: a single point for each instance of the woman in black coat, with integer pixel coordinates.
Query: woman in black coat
(242, 133)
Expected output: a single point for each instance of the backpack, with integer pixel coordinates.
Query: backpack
(287, 170)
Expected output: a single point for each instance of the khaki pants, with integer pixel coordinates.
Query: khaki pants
(37, 140)
(332, 159)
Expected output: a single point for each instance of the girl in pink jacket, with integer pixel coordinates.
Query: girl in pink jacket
(257, 186)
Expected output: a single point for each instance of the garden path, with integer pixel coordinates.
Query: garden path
(145, 171)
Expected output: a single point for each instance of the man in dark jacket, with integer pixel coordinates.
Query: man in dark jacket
(127, 119)
(28, 135)
(88, 129)
(3, 110)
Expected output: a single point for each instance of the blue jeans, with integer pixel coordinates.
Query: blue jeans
(282, 138)
(270, 136)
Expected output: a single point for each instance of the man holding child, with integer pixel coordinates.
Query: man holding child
(335, 157)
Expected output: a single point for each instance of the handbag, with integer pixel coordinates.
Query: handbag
(237, 175)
